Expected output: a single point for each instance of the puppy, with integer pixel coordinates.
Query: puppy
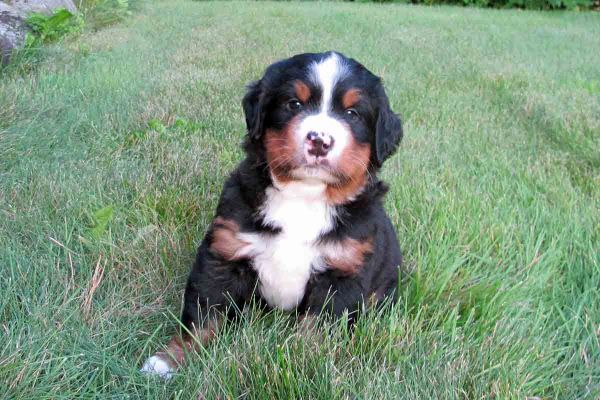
(300, 224)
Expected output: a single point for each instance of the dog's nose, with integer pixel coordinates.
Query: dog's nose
(319, 143)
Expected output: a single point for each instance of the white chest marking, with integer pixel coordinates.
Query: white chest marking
(285, 261)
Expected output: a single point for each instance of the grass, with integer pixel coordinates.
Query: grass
(114, 148)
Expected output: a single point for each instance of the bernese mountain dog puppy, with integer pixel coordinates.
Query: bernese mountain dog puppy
(300, 223)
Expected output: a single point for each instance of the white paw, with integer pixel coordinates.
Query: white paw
(157, 366)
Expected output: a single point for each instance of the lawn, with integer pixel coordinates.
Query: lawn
(113, 150)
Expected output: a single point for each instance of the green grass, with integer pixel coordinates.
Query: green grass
(114, 148)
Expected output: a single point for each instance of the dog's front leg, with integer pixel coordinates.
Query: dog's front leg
(221, 281)
(165, 362)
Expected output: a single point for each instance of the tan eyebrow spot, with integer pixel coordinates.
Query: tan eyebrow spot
(302, 91)
(350, 98)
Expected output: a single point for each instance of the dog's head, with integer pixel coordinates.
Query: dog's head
(321, 117)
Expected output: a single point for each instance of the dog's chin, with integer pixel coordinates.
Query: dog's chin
(315, 172)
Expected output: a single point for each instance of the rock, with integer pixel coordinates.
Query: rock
(12, 33)
(5, 7)
(47, 7)
(12, 21)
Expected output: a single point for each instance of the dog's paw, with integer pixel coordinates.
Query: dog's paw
(157, 366)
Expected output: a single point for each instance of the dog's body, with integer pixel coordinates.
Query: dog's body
(300, 224)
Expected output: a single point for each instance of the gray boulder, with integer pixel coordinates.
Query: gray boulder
(25, 7)
(12, 32)
(12, 21)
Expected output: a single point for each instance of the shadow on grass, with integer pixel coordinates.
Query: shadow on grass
(571, 136)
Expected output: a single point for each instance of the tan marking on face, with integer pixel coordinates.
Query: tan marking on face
(348, 255)
(302, 91)
(353, 165)
(282, 151)
(350, 98)
(179, 345)
(225, 239)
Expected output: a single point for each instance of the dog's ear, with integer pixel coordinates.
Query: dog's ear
(388, 131)
(253, 110)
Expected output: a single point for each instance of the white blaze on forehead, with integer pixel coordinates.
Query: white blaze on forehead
(326, 74)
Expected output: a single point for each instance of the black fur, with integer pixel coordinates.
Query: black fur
(214, 283)
(388, 132)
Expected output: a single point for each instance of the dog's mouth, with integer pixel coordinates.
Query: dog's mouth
(316, 162)
(320, 171)
(311, 156)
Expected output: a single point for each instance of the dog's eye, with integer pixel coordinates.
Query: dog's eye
(294, 105)
(352, 113)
